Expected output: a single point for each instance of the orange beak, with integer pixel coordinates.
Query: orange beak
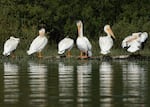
(79, 27)
(111, 33)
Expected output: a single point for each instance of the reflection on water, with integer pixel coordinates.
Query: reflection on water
(37, 84)
(79, 84)
(66, 88)
(83, 83)
(106, 74)
(134, 83)
(11, 83)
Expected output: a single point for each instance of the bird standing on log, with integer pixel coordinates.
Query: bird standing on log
(83, 43)
(106, 42)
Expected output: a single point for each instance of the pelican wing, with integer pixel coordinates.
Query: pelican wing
(134, 42)
(125, 42)
(105, 44)
(143, 37)
(65, 44)
(37, 45)
(131, 43)
(84, 45)
(89, 46)
(9, 46)
(134, 46)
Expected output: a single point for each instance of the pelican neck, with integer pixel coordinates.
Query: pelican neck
(81, 32)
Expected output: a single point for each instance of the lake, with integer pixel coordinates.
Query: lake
(78, 83)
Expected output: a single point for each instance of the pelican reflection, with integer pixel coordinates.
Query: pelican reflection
(134, 81)
(84, 80)
(106, 73)
(37, 83)
(11, 83)
(66, 82)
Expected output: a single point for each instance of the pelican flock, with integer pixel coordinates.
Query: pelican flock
(10, 45)
(131, 43)
(135, 41)
(38, 43)
(106, 42)
(82, 42)
(65, 44)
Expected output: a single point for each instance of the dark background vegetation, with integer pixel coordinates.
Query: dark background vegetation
(23, 18)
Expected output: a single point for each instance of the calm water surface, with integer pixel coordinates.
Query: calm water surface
(82, 83)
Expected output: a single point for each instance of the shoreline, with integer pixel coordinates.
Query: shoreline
(74, 58)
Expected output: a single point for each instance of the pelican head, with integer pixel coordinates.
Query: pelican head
(108, 30)
(79, 23)
(136, 34)
(16, 39)
(42, 32)
(79, 26)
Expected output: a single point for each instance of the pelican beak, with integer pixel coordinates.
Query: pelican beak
(42, 32)
(111, 33)
(78, 26)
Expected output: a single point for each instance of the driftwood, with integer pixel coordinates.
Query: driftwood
(106, 57)
(117, 57)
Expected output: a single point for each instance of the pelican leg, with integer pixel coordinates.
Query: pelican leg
(83, 55)
(12, 55)
(80, 56)
(68, 53)
(40, 55)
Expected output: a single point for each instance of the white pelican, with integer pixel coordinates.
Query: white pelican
(38, 43)
(135, 41)
(10, 45)
(106, 42)
(65, 44)
(83, 43)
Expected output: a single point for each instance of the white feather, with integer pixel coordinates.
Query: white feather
(82, 42)
(65, 44)
(84, 45)
(143, 37)
(106, 42)
(10, 45)
(133, 42)
(37, 45)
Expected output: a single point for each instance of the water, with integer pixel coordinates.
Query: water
(81, 83)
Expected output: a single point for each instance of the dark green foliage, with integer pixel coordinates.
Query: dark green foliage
(23, 18)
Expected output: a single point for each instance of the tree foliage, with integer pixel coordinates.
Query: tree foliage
(23, 18)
